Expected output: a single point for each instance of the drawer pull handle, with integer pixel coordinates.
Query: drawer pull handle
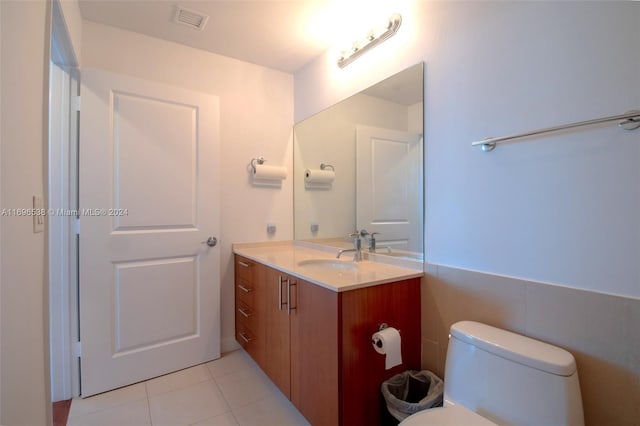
(245, 338)
(243, 264)
(244, 313)
(243, 288)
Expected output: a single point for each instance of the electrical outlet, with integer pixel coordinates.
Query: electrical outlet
(271, 228)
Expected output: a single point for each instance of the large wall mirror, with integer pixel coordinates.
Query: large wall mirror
(359, 165)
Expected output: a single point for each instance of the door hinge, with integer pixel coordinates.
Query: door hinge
(77, 350)
(77, 103)
(76, 226)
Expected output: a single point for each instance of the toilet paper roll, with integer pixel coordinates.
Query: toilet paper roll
(322, 177)
(264, 172)
(388, 343)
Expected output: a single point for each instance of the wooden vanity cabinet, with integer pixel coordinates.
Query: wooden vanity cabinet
(317, 344)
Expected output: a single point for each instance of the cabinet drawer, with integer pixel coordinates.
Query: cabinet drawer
(246, 316)
(247, 339)
(245, 269)
(245, 312)
(245, 292)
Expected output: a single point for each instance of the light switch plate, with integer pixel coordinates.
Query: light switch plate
(38, 216)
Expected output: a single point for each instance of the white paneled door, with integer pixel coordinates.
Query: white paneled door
(389, 186)
(149, 191)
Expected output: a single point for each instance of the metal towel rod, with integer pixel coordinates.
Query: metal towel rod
(630, 120)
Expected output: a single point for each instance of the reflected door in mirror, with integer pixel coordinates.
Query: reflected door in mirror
(389, 186)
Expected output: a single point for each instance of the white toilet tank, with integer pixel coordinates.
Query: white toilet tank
(511, 379)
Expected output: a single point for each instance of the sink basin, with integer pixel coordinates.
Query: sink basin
(334, 264)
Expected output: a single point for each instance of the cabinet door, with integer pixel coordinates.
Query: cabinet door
(276, 323)
(314, 353)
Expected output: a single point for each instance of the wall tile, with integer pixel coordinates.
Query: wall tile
(592, 326)
(606, 391)
(577, 320)
(433, 294)
(601, 331)
(431, 359)
(490, 299)
(632, 336)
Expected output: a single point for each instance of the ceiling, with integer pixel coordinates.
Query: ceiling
(280, 34)
(283, 35)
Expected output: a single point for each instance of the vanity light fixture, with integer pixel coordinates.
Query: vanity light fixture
(374, 38)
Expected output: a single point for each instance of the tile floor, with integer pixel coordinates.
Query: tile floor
(229, 391)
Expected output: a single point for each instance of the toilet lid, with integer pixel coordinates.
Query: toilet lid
(452, 415)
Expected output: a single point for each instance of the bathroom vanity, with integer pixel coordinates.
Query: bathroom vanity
(307, 319)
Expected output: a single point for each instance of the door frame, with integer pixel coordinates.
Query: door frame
(62, 203)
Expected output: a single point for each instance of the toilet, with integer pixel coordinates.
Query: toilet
(496, 377)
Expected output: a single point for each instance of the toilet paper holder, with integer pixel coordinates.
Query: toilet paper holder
(324, 166)
(381, 327)
(263, 175)
(254, 161)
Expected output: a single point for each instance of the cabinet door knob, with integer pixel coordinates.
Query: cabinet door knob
(244, 337)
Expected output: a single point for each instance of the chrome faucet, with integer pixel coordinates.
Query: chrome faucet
(357, 247)
(372, 242)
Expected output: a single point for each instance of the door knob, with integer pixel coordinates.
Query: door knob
(211, 241)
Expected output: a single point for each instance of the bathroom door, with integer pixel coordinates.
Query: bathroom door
(149, 200)
(389, 186)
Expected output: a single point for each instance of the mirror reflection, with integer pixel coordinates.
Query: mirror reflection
(358, 165)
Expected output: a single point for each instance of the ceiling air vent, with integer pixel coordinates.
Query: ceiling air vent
(190, 18)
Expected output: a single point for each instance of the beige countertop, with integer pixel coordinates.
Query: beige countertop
(318, 264)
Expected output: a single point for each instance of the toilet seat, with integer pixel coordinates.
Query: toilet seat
(449, 415)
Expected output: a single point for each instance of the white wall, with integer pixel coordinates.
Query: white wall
(256, 118)
(73, 22)
(24, 370)
(562, 209)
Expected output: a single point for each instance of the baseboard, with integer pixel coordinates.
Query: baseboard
(228, 344)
